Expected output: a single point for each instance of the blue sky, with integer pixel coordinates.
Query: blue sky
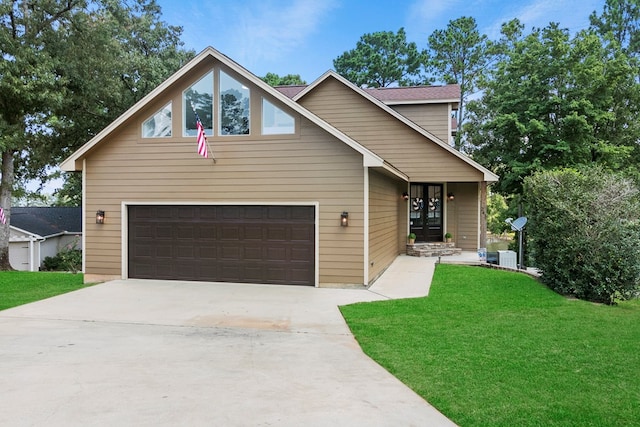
(305, 36)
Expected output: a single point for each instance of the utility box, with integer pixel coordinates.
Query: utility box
(507, 259)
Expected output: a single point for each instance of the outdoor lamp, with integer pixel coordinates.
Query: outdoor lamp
(344, 219)
(100, 217)
(450, 196)
(405, 195)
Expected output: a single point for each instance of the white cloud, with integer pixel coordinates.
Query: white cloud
(426, 16)
(259, 31)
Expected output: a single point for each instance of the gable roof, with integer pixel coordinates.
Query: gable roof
(47, 221)
(488, 175)
(369, 158)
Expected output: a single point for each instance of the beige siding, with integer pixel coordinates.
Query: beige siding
(308, 167)
(387, 221)
(463, 214)
(433, 117)
(403, 147)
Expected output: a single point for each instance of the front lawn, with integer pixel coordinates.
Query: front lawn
(496, 348)
(22, 287)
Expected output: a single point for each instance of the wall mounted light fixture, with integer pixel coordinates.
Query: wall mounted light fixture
(100, 217)
(405, 195)
(344, 219)
(451, 196)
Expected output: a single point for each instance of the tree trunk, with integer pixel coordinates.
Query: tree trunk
(6, 189)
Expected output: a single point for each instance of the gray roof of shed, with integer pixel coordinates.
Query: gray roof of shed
(47, 221)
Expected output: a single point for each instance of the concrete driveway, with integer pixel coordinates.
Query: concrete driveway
(196, 354)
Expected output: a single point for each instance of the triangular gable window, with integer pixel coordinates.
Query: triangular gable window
(275, 121)
(200, 97)
(158, 125)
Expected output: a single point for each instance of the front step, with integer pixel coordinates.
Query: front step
(433, 249)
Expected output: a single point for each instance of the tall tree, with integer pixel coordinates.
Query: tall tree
(620, 19)
(69, 68)
(382, 59)
(272, 79)
(460, 54)
(556, 101)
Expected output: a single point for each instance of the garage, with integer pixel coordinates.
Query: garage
(271, 244)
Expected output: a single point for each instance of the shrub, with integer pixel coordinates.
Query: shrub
(65, 260)
(584, 233)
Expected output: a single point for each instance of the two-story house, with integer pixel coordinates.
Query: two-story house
(311, 185)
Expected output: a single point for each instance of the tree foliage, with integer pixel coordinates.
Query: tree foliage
(272, 79)
(69, 68)
(584, 232)
(621, 20)
(461, 55)
(555, 101)
(382, 59)
(497, 213)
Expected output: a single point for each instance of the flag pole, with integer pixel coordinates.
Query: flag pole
(206, 141)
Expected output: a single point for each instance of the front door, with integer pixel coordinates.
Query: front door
(425, 218)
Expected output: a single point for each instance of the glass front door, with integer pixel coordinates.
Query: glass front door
(425, 217)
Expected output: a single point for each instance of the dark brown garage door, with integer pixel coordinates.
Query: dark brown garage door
(246, 244)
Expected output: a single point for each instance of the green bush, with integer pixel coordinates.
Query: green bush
(584, 233)
(65, 260)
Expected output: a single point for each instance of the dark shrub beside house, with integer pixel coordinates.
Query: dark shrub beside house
(585, 233)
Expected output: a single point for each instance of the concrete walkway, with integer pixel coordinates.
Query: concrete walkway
(159, 353)
(406, 277)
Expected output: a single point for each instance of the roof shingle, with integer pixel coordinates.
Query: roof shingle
(396, 94)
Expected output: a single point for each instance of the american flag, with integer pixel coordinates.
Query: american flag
(201, 137)
(3, 219)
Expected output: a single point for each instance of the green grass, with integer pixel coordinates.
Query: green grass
(22, 287)
(496, 348)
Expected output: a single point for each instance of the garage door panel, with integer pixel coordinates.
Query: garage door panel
(275, 274)
(163, 251)
(208, 252)
(163, 231)
(253, 232)
(230, 232)
(185, 251)
(302, 213)
(143, 231)
(249, 244)
(298, 275)
(302, 234)
(186, 212)
(277, 233)
(229, 252)
(253, 253)
(301, 253)
(185, 232)
(278, 212)
(277, 254)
